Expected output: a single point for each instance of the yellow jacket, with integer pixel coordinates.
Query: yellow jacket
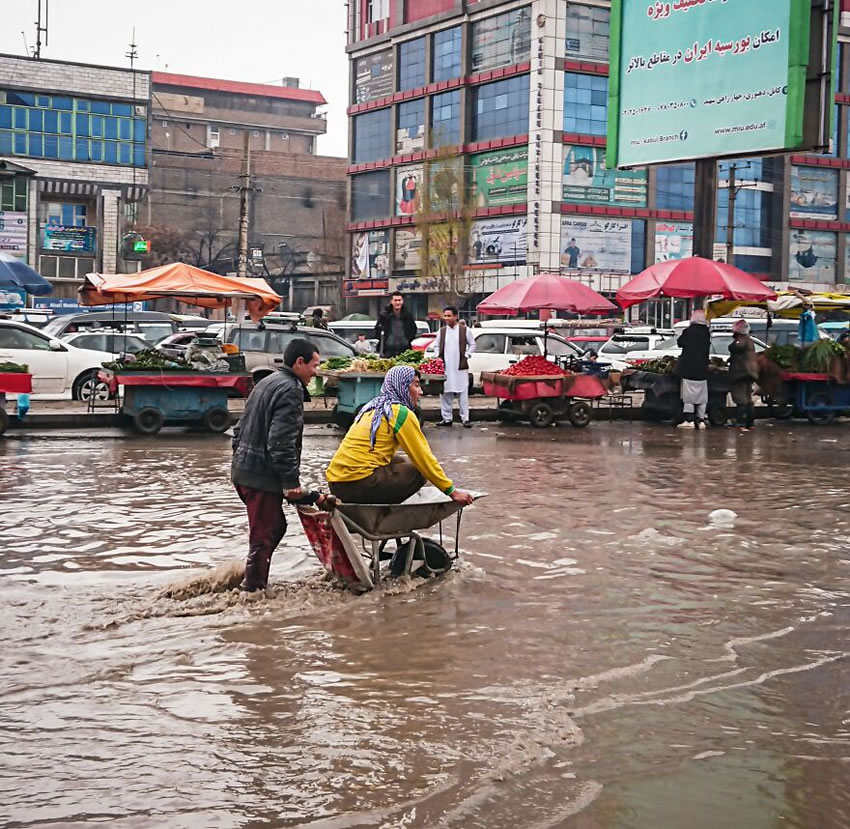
(355, 459)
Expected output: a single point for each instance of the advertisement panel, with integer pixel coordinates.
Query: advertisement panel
(374, 76)
(408, 250)
(68, 239)
(692, 80)
(370, 254)
(812, 256)
(589, 244)
(13, 233)
(408, 189)
(587, 180)
(12, 298)
(814, 193)
(498, 240)
(588, 32)
(500, 177)
(414, 284)
(502, 40)
(673, 240)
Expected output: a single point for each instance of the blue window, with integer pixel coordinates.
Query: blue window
(111, 127)
(96, 150)
(101, 107)
(138, 155)
(752, 217)
(5, 143)
(51, 121)
(26, 99)
(370, 195)
(82, 125)
(60, 102)
(5, 117)
(66, 148)
(122, 109)
(81, 149)
(373, 136)
(96, 126)
(674, 187)
(585, 104)
(36, 120)
(51, 146)
(125, 153)
(111, 152)
(638, 246)
(36, 145)
(502, 40)
(411, 64)
(411, 126)
(20, 143)
(20, 119)
(445, 119)
(65, 121)
(83, 106)
(446, 55)
(500, 109)
(139, 129)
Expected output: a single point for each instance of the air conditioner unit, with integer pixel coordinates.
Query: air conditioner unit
(140, 111)
(284, 136)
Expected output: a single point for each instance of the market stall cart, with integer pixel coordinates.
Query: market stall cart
(12, 382)
(817, 396)
(543, 399)
(662, 399)
(153, 398)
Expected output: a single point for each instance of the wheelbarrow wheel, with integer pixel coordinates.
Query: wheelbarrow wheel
(217, 419)
(580, 414)
(541, 415)
(819, 416)
(148, 421)
(4, 421)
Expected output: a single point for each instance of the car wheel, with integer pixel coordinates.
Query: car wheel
(819, 416)
(217, 419)
(580, 414)
(540, 415)
(88, 387)
(148, 421)
(717, 414)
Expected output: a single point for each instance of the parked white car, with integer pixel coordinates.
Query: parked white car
(57, 367)
(110, 342)
(616, 350)
(498, 348)
(670, 348)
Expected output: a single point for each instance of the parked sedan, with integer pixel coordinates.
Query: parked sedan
(670, 348)
(57, 367)
(110, 341)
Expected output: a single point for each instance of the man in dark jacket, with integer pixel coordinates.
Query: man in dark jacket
(743, 370)
(396, 328)
(267, 455)
(692, 369)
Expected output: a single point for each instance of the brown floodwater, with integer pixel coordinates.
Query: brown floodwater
(605, 655)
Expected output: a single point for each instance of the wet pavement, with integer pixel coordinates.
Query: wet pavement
(605, 656)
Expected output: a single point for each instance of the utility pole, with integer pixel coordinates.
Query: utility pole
(39, 28)
(244, 188)
(730, 216)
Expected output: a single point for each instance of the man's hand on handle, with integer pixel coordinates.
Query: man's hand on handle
(460, 496)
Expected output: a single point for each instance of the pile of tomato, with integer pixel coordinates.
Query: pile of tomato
(435, 366)
(534, 366)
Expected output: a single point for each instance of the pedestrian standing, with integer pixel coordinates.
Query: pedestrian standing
(743, 371)
(267, 456)
(318, 320)
(692, 370)
(807, 329)
(396, 328)
(455, 344)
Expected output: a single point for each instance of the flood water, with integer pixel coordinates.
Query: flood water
(604, 656)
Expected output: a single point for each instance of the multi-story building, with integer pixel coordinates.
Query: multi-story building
(517, 92)
(296, 199)
(72, 164)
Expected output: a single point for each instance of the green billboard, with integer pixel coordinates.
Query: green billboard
(500, 177)
(701, 78)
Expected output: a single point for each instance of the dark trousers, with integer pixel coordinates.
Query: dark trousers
(386, 485)
(266, 528)
(742, 396)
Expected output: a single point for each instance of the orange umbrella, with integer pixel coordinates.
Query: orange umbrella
(187, 283)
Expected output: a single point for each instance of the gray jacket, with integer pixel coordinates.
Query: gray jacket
(267, 441)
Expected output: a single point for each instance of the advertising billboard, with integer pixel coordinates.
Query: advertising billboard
(813, 254)
(374, 76)
(370, 254)
(68, 239)
(13, 233)
(599, 245)
(673, 240)
(701, 79)
(814, 193)
(408, 250)
(500, 177)
(587, 180)
(501, 40)
(498, 240)
(408, 189)
(588, 32)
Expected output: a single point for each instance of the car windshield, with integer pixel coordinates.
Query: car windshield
(329, 347)
(560, 348)
(720, 345)
(668, 344)
(625, 345)
(154, 332)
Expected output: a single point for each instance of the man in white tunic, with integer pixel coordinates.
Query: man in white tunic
(455, 343)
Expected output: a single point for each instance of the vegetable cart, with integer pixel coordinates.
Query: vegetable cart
(662, 398)
(152, 398)
(543, 399)
(359, 566)
(12, 383)
(818, 396)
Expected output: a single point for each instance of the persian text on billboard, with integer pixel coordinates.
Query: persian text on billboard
(374, 76)
(67, 239)
(13, 233)
(500, 177)
(588, 29)
(673, 240)
(588, 181)
(596, 245)
(498, 240)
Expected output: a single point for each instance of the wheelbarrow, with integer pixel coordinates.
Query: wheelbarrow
(359, 566)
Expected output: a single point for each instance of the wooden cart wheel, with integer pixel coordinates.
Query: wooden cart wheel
(217, 419)
(541, 415)
(148, 421)
(579, 413)
(505, 412)
(717, 414)
(4, 421)
(818, 416)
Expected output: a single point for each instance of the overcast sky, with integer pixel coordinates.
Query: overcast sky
(247, 40)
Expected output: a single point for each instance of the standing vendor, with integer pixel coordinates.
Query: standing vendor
(366, 469)
(807, 329)
(455, 344)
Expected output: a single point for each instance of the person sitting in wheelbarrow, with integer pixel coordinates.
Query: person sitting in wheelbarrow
(366, 469)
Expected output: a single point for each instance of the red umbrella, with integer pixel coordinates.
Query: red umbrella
(693, 277)
(548, 291)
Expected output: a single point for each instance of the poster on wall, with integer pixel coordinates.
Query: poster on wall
(374, 76)
(408, 250)
(370, 256)
(493, 241)
(500, 177)
(673, 240)
(814, 193)
(68, 239)
(588, 181)
(813, 254)
(589, 244)
(588, 30)
(408, 189)
(502, 40)
(13, 233)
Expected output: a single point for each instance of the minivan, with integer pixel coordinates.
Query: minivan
(152, 325)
